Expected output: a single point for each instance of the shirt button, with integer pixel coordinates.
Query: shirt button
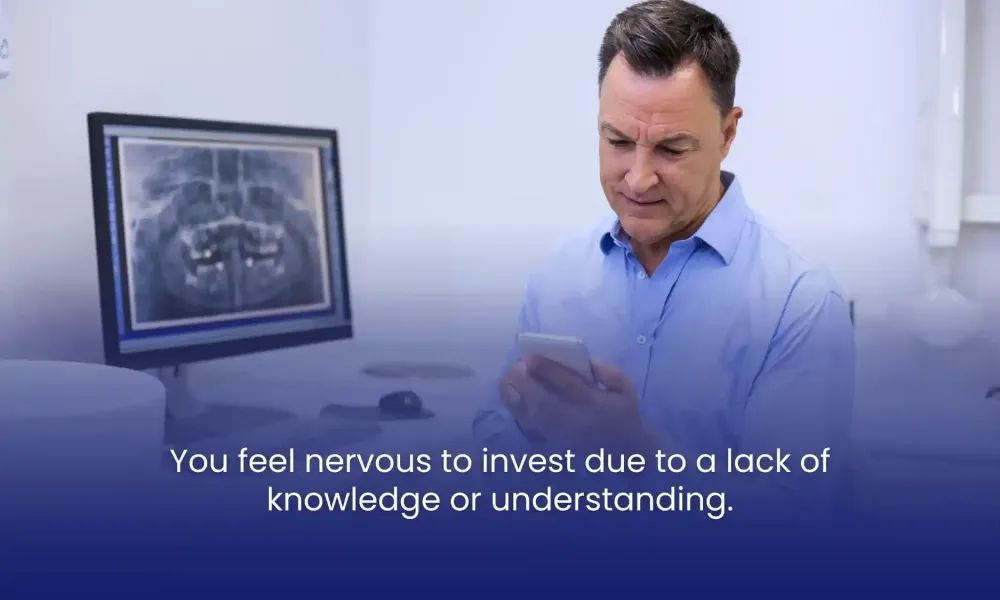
(642, 274)
(641, 339)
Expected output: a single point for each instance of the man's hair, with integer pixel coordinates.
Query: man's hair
(657, 36)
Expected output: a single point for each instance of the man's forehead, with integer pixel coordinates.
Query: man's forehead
(653, 129)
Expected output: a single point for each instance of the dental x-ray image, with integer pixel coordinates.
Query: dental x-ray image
(219, 231)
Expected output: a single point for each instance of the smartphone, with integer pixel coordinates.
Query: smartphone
(568, 351)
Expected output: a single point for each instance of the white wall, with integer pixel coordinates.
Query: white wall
(249, 60)
(484, 111)
(488, 109)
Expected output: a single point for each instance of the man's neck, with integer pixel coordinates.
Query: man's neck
(650, 256)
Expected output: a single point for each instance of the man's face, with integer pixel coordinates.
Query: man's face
(662, 143)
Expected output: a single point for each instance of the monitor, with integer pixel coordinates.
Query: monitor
(215, 239)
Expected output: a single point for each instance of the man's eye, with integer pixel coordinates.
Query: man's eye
(619, 143)
(673, 151)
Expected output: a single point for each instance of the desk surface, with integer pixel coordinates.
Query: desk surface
(936, 412)
(305, 391)
(47, 389)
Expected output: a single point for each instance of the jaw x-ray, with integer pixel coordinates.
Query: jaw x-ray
(222, 231)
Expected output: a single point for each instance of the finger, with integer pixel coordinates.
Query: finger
(560, 379)
(522, 412)
(523, 392)
(511, 393)
(512, 398)
(532, 390)
(611, 378)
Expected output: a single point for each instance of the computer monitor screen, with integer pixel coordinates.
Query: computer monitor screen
(215, 238)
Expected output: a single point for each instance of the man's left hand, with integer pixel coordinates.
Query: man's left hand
(588, 414)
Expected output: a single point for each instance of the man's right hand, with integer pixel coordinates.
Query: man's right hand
(524, 398)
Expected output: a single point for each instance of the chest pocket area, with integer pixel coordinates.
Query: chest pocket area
(697, 391)
(589, 317)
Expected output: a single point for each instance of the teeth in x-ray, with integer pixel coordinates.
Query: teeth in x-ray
(268, 249)
(261, 261)
(203, 270)
(196, 255)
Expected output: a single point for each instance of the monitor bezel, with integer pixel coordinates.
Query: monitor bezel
(187, 354)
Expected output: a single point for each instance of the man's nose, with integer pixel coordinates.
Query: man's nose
(641, 177)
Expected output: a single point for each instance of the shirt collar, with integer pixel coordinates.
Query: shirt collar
(720, 231)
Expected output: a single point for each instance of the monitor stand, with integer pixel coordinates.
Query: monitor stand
(192, 423)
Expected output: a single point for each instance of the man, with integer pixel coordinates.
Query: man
(708, 332)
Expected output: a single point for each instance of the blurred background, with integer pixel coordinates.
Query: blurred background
(469, 147)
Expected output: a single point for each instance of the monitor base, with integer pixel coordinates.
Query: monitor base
(199, 426)
(182, 404)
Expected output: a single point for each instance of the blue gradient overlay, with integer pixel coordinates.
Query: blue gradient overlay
(925, 523)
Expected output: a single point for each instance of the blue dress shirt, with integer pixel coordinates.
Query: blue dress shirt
(734, 342)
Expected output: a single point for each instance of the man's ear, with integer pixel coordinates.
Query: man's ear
(729, 124)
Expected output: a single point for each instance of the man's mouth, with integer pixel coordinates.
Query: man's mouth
(642, 201)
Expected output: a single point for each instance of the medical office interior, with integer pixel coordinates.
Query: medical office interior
(466, 147)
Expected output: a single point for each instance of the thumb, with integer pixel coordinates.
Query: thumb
(611, 378)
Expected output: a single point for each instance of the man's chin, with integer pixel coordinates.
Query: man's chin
(644, 231)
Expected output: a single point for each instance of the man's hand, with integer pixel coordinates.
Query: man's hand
(524, 397)
(552, 400)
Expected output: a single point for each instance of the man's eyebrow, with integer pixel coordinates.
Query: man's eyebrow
(607, 127)
(677, 138)
(680, 138)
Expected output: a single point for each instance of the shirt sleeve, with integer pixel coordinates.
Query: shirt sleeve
(493, 426)
(800, 405)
